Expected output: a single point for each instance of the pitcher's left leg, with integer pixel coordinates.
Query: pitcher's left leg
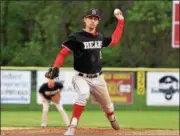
(102, 96)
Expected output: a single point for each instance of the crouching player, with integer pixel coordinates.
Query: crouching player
(52, 93)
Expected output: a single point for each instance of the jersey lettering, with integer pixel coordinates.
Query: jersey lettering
(92, 45)
(50, 93)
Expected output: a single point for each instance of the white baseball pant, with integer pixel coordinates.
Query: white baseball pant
(97, 87)
(45, 113)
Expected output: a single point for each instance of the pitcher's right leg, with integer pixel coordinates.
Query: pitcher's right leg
(82, 88)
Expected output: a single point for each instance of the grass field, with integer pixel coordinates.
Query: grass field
(128, 119)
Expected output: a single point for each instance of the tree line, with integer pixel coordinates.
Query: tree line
(32, 32)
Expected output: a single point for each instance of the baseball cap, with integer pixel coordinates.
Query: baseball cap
(93, 12)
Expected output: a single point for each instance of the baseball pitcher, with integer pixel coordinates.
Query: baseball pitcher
(86, 46)
(51, 93)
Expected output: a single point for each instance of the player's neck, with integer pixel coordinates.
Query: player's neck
(92, 31)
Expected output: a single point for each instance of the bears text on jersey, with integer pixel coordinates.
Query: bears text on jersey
(92, 45)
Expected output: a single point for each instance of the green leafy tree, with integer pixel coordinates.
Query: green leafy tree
(32, 32)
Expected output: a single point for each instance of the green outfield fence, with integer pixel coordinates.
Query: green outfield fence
(139, 102)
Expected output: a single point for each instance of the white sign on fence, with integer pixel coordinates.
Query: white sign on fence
(15, 87)
(68, 95)
(163, 88)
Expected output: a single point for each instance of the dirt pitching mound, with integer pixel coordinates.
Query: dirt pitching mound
(84, 131)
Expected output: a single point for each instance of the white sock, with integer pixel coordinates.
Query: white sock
(74, 121)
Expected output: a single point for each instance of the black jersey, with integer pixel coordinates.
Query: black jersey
(49, 92)
(86, 50)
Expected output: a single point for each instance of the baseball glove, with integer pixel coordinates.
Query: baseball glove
(56, 98)
(52, 73)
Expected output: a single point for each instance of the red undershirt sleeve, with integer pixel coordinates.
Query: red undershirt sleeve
(116, 36)
(61, 57)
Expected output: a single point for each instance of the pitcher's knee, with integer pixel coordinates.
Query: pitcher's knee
(82, 99)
